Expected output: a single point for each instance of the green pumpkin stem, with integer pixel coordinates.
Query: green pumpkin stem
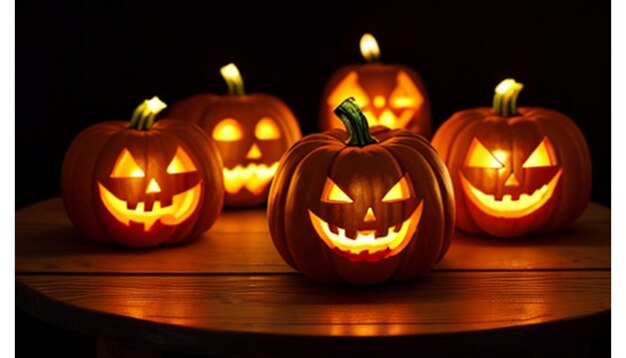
(144, 115)
(356, 123)
(233, 79)
(505, 98)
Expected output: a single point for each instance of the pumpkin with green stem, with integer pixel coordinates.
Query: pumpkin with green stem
(144, 183)
(360, 206)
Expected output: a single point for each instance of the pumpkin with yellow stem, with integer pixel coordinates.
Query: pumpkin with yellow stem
(515, 170)
(252, 132)
(143, 183)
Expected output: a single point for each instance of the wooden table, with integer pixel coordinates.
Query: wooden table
(229, 293)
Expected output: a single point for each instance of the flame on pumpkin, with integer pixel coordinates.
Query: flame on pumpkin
(233, 78)
(369, 48)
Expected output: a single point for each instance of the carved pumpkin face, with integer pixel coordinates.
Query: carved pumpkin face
(251, 153)
(387, 98)
(510, 181)
(143, 184)
(393, 96)
(361, 207)
(515, 171)
(252, 132)
(375, 224)
(141, 192)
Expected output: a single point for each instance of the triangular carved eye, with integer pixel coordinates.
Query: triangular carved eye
(481, 157)
(399, 191)
(181, 163)
(348, 87)
(126, 166)
(406, 94)
(542, 156)
(332, 193)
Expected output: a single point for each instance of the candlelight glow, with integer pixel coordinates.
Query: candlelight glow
(507, 207)
(366, 241)
(228, 130)
(254, 177)
(233, 78)
(183, 205)
(369, 48)
(126, 167)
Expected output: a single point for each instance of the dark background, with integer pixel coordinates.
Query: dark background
(81, 62)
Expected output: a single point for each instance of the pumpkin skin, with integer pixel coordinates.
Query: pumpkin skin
(250, 151)
(390, 95)
(540, 180)
(177, 195)
(364, 175)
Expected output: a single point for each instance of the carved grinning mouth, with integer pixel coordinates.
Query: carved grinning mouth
(388, 119)
(182, 206)
(396, 239)
(507, 207)
(254, 177)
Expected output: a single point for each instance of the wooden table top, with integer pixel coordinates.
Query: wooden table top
(230, 293)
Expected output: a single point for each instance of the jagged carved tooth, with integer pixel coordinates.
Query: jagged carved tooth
(131, 205)
(165, 202)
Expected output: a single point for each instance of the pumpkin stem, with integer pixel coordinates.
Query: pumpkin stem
(505, 99)
(369, 48)
(233, 79)
(144, 115)
(356, 123)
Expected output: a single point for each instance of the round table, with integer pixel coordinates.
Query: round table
(229, 293)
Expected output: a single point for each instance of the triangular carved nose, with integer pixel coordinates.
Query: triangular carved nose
(153, 187)
(254, 152)
(369, 215)
(511, 181)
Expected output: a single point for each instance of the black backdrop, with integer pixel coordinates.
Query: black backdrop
(80, 62)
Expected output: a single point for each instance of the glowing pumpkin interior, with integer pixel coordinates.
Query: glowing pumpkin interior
(384, 98)
(168, 195)
(252, 171)
(374, 238)
(503, 183)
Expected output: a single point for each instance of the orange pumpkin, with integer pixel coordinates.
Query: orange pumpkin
(515, 170)
(393, 96)
(361, 207)
(252, 132)
(145, 184)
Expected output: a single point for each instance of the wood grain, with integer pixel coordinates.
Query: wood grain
(194, 310)
(239, 242)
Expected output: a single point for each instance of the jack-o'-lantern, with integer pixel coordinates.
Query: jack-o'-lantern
(142, 184)
(252, 132)
(393, 96)
(361, 206)
(515, 170)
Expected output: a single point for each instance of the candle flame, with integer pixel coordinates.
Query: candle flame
(369, 48)
(233, 78)
(507, 86)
